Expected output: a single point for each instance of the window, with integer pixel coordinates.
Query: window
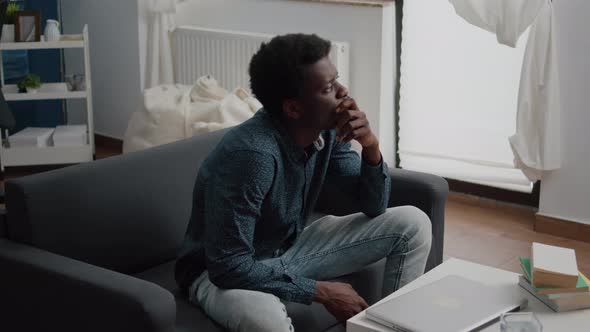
(458, 98)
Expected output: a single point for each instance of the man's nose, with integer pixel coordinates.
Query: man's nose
(342, 91)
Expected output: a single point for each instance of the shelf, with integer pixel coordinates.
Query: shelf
(53, 155)
(47, 91)
(46, 156)
(69, 42)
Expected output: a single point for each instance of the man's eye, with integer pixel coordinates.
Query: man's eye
(329, 89)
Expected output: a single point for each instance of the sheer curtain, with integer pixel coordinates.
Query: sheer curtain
(458, 98)
(160, 69)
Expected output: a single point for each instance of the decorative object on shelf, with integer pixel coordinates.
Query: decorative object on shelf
(8, 24)
(69, 79)
(79, 82)
(52, 31)
(76, 82)
(28, 26)
(31, 83)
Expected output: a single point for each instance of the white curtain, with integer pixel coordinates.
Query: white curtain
(536, 143)
(458, 98)
(160, 69)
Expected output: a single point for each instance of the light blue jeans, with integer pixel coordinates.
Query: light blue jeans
(330, 247)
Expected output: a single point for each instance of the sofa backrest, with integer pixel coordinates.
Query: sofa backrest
(126, 213)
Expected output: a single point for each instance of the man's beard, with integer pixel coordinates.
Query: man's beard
(325, 122)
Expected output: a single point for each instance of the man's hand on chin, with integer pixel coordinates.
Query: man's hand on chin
(352, 123)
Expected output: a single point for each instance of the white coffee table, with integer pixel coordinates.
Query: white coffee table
(568, 321)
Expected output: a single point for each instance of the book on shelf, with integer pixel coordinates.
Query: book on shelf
(70, 135)
(32, 137)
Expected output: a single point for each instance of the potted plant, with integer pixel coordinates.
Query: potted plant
(9, 20)
(29, 84)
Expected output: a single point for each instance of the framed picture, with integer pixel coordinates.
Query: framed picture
(27, 26)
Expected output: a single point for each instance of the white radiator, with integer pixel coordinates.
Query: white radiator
(225, 55)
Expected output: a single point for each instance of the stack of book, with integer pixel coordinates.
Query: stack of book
(32, 137)
(70, 135)
(552, 276)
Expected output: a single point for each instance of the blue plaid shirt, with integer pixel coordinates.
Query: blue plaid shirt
(252, 196)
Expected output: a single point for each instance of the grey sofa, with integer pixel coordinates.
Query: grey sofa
(91, 247)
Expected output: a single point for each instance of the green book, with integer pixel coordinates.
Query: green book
(582, 286)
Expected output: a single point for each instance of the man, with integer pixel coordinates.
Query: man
(246, 248)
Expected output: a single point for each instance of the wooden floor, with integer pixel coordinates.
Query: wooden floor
(497, 234)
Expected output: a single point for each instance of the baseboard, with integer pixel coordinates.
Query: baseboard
(109, 143)
(497, 194)
(485, 202)
(563, 228)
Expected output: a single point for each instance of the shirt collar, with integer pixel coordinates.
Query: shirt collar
(295, 152)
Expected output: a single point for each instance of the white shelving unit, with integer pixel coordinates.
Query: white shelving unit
(13, 156)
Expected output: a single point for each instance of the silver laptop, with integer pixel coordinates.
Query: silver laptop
(450, 304)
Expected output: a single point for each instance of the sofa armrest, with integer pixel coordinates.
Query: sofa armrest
(425, 191)
(428, 193)
(42, 291)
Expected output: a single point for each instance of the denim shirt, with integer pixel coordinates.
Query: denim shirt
(252, 196)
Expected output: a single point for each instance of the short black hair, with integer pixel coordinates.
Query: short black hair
(276, 70)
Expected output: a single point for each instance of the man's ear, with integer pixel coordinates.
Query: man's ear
(291, 109)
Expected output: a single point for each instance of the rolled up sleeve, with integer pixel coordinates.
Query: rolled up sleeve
(369, 185)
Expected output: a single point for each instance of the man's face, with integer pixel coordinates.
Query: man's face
(320, 95)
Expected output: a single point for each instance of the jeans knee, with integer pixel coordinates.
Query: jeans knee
(423, 233)
(413, 223)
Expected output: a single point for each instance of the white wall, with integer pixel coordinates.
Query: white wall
(114, 57)
(369, 30)
(119, 39)
(565, 193)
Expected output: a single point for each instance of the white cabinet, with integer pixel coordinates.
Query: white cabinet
(16, 156)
